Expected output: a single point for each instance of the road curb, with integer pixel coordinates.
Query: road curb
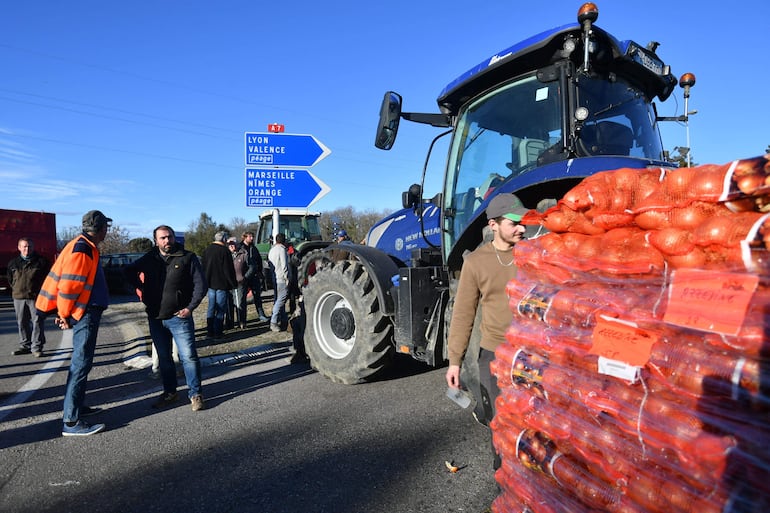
(137, 357)
(245, 355)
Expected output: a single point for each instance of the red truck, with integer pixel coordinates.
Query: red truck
(14, 224)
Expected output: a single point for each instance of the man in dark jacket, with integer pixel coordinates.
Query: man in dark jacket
(254, 274)
(171, 285)
(26, 273)
(220, 275)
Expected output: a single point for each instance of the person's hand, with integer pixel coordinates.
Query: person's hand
(453, 376)
(62, 323)
(183, 313)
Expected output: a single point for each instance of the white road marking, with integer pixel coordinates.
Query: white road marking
(39, 379)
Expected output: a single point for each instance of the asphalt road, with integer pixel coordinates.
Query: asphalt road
(274, 438)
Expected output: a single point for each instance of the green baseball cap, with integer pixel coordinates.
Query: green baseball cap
(506, 205)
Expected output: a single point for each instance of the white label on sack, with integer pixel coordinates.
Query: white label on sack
(619, 369)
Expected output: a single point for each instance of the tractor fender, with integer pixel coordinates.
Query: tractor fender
(380, 266)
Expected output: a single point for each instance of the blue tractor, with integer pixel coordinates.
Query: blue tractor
(533, 119)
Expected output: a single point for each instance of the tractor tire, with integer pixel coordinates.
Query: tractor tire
(311, 263)
(347, 337)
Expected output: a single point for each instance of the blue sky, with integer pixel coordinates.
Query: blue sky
(139, 109)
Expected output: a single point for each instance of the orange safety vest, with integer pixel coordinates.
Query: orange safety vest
(67, 288)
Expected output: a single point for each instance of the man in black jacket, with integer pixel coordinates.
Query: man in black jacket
(171, 284)
(220, 276)
(26, 273)
(254, 275)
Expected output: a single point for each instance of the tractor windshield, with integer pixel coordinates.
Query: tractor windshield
(513, 129)
(499, 135)
(620, 120)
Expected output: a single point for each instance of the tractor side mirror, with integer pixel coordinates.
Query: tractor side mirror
(390, 115)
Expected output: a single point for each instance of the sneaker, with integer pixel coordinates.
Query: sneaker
(197, 403)
(87, 411)
(81, 429)
(274, 327)
(21, 350)
(165, 399)
(263, 318)
(37, 354)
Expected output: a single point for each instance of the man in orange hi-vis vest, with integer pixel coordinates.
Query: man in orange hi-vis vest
(76, 292)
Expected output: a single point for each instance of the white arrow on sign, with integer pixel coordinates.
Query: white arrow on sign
(325, 189)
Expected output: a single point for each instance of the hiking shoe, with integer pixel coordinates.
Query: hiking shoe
(298, 358)
(21, 350)
(81, 429)
(87, 411)
(165, 399)
(197, 403)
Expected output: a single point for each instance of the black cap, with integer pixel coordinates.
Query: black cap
(94, 220)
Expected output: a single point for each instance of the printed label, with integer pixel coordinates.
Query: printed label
(709, 300)
(621, 340)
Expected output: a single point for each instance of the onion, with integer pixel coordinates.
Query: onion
(653, 219)
(695, 258)
(707, 184)
(672, 241)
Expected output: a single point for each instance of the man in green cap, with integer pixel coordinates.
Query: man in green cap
(483, 279)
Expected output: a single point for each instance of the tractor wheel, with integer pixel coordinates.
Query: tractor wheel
(347, 336)
(310, 264)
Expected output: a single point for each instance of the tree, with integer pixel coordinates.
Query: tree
(680, 156)
(356, 224)
(116, 241)
(66, 234)
(140, 245)
(201, 233)
(238, 225)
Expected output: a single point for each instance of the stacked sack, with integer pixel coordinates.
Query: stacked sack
(635, 374)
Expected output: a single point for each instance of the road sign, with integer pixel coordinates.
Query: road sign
(283, 188)
(283, 151)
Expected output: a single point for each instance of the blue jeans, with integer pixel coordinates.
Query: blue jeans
(182, 331)
(31, 325)
(279, 306)
(215, 314)
(84, 334)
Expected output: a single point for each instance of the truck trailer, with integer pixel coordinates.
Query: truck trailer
(40, 227)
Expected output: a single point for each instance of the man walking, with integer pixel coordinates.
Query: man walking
(76, 291)
(254, 275)
(26, 273)
(279, 262)
(220, 276)
(173, 286)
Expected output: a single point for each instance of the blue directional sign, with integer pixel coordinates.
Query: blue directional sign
(265, 149)
(283, 188)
